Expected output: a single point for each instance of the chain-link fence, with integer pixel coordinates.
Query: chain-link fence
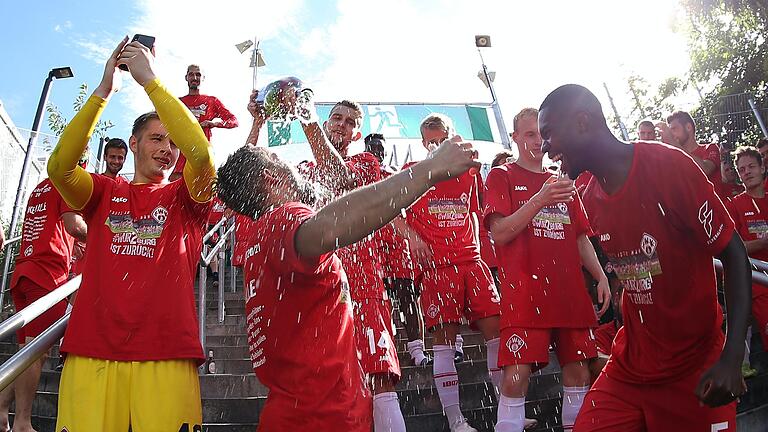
(734, 120)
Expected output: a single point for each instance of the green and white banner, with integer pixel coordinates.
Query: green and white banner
(397, 121)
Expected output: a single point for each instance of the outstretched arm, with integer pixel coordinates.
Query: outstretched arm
(185, 132)
(359, 213)
(73, 182)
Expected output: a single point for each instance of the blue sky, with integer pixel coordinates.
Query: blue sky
(365, 50)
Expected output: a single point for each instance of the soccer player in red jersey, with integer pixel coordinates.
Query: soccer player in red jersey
(660, 223)
(541, 234)
(133, 329)
(730, 186)
(398, 270)
(750, 212)
(208, 110)
(300, 319)
(441, 229)
(707, 156)
(115, 152)
(47, 240)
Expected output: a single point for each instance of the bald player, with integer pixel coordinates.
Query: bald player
(670, 368)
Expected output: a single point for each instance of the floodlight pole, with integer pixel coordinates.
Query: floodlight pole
(495, 106)
(255, 60)
(760, 121)
(623, 128)
(19, 201)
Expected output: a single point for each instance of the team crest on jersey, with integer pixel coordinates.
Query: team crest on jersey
(515, 343)
(563, 207)
(28, 251)
(432, 311)
(608, 267)
(464, 197)
(160, 214)
(648, 245)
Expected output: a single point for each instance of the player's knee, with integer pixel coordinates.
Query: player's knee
(514, 382)
(576, 374)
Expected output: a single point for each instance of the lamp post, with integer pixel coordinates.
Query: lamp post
(57, 73)
(484, 41)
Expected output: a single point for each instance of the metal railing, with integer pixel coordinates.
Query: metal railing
(206, 256)
(6, 268)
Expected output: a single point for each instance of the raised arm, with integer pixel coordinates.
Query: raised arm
(359, 213)
(334, 173)
(73, 182)
(185, 132)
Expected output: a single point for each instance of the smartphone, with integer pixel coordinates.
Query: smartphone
(147, 41)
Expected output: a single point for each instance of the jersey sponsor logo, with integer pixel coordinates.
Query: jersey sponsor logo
(648, 245)
(521, 188)
(717, 427)
(160, 214)
(432, 311)
(749, 213)
(605, 237)
(515, 343)
(119, 200)
(28, 251)
(705, 217)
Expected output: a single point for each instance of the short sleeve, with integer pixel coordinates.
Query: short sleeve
(281, 227)
(692, 204)
(713, 154)
(496, 197)
(100, 185)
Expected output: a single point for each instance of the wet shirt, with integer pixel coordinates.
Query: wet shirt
(443, 219)
(217, 211)
(300, 329)
(540, 269)
(46, 248)
(136, 300)
(660, 232)
(711, 152)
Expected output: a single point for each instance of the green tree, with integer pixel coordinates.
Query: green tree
(727, 39)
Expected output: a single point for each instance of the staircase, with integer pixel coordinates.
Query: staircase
(233, 397)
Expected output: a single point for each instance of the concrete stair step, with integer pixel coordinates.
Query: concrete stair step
(224, 330)
(231, 386)
(213, 319)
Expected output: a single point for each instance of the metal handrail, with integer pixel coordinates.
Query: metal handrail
(11, 241)
(29, 353)
(215, 228)
(38, 307)
(757, 276)
(206, 259)
(761, 266)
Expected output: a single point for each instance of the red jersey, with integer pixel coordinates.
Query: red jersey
(660, 232)
(711, 152)
(206, 108)
(243, 228)
(217, 211)
(604, 335)
(540, 269)
(442, 218)
(360, 260)
(393, 250)
(136, 300)
(300, 330)
(46, 248)
(729, 191)
(751, 217)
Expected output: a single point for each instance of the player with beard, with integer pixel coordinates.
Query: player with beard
(541, 233)
(208, 110)
(115, 152)
(669, 368)
(707, 156)
(299, 313)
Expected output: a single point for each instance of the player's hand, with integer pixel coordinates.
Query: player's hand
(208, 124)
(256, 109)
(555, 191)
(453, 158)
(78, 250)
(603, 295)
(421, 253)
(665, 134)
(139, 60)
(112, 79)
(721, 384)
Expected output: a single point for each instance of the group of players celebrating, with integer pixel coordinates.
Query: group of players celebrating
(318, 312)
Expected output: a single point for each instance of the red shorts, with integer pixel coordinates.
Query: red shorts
(24, 293)
(531, 345)
(760, 311)
(374, 338)
(613, 405)
(604, 336)
(451, 293)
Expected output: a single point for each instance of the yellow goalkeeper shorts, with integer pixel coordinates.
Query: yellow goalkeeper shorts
(98, 395)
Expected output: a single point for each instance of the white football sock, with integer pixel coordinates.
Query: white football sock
(416, 349)
(573, 397)
(447, 383)
(387, 416)
(511, 414)
(493, 362)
